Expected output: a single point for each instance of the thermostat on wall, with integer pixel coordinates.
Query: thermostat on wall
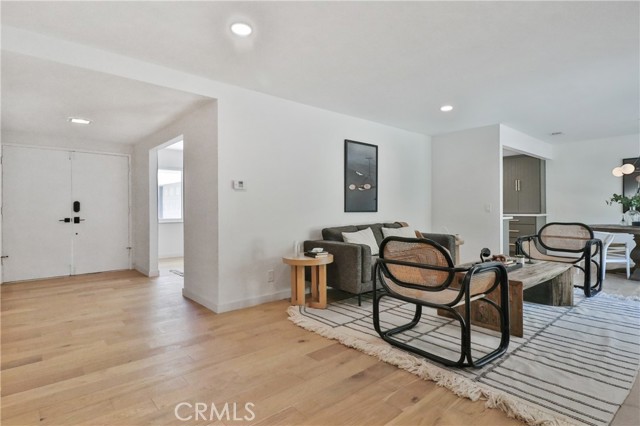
(239, 185)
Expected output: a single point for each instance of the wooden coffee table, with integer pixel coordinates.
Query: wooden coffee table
(318, 279)
(548, 283)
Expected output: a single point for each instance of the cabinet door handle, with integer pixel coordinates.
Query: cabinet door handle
(516, 182)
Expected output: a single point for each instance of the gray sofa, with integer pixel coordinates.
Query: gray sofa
(352, 267)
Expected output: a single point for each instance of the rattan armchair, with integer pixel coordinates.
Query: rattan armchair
(421, 272)
(567, 242)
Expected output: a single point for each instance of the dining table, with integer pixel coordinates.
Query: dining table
(625, 229)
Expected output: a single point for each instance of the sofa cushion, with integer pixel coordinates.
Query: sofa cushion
(405, 232)
(364, 236)
(375, 228)
(335, 233)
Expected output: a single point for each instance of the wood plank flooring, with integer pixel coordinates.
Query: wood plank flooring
(123, 349)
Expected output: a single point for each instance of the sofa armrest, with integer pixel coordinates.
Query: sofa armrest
(447, 241)
(351, 263)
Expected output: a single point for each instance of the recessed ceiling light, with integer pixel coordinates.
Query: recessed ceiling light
(446, 108)
(77, 120)
(241, 29)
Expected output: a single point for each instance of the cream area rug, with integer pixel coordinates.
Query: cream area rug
(574, 365)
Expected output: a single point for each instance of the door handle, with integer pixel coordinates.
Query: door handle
(65, 220)
(77, 219)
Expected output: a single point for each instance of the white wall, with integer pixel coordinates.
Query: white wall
(522, 143)
(81, 144)
(200, 132)
(291, 157)
(579, 179)
(467, 188)
(170, 234)
(170, 240)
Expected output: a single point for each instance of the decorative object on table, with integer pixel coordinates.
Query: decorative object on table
(509, 264)
(360, 177)
(538, 381)
(316, 252)
(630, 205)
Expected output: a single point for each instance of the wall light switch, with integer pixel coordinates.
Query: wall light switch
(239, 185)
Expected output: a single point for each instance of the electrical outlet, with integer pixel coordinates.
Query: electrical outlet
(270, 276)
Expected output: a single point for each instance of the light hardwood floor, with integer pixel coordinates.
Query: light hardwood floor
(122, 349)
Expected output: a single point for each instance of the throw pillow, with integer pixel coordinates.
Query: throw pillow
(364, 236)
(405, 231)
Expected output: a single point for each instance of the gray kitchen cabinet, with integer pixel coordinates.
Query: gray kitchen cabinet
(523, 185)
(521, 226)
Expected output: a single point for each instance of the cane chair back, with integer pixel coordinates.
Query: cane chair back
(567, 242)
(418, 252)
(565, 237)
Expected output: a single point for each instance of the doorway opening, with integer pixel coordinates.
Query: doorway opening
(169, 215)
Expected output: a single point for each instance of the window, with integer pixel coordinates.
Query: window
(169, 195)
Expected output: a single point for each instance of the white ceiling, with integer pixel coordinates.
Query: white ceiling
(539, 67)
(39, 96)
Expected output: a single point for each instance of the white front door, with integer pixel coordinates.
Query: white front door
(40, 236)
(100, 184)
(36, 197)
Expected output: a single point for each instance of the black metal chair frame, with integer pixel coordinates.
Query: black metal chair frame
(586, 255)
(382, 274)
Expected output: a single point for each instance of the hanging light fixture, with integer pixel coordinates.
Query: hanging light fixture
(625, 169)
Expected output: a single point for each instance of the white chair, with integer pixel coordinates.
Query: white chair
(613, 252)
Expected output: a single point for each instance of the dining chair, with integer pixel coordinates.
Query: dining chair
(614, 251)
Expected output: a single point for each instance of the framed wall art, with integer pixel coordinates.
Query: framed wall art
(630, 182)
(360, 177)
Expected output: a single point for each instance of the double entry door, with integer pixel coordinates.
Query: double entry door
(63, 213)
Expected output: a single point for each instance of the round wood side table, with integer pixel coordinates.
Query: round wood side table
(318, 267)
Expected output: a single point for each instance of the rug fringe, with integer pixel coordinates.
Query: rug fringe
(461, 386)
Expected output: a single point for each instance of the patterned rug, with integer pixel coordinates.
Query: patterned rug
(574, 365)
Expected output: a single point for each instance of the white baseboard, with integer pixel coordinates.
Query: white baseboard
(145, 271)
(253, 301)
(209, 304)
(238, 304)
(170, 255)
